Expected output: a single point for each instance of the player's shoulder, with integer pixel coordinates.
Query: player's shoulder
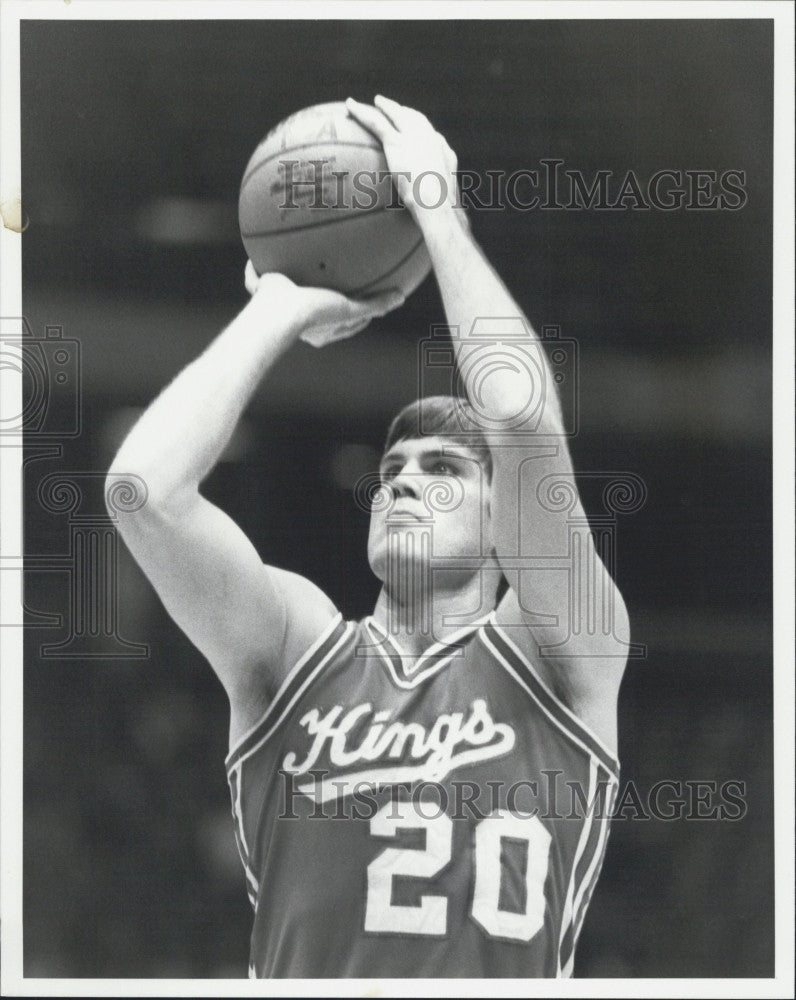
(307, 613)
(297, 588)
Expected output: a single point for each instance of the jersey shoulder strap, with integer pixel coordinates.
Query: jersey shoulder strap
(325, 647)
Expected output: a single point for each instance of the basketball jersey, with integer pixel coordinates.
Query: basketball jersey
(443, 820)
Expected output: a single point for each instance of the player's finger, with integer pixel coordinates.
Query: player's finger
(350, 329)
(451, 159)
(399, 113)
(370, 118)
(250, 278)
(390, 109)
(330, 335)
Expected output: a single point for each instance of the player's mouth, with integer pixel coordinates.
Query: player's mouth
(404, 514)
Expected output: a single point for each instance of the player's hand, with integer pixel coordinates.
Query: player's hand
(323, 315)
(422, 163)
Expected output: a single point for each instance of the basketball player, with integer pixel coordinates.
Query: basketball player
(397, 783)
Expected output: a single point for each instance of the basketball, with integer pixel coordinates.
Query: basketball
(317, 204)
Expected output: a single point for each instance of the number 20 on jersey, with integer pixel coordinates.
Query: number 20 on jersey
(430, 917)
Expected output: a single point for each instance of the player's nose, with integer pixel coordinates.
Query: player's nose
(406, 483)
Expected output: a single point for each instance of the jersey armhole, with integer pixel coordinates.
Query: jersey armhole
(517, 664)
(307, 664)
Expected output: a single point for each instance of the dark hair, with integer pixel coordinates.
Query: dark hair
(446, 416)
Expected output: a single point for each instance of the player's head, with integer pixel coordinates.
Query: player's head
(434, 503)
(449, 417)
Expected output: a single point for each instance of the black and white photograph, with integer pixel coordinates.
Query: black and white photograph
(397, 524)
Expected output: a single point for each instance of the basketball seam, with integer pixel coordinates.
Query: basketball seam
(304, 145)
(381, 277)
(350, 217)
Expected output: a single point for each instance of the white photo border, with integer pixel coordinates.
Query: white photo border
(11, 729)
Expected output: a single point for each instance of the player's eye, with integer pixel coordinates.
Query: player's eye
(441, 468)
(388, 473)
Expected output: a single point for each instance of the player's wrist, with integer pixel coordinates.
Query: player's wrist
(445, 230)
(281, 316)
(433, 219)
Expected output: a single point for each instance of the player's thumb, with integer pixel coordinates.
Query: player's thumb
(251, 278)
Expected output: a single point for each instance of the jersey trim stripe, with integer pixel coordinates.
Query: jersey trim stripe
(565, 936)
(253, 886)
(589, 856)
(585, 869)
(326, 643)
(570, 941)
(593, 873)
(389, 652)
(519, 665)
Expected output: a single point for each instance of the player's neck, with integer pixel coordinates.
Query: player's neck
(416, 618)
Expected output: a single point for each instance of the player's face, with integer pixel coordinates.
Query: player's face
(434, 503)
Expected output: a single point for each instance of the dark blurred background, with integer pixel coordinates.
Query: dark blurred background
(134, 140)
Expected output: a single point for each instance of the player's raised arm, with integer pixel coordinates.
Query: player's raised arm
(241, 614)
(542, 609)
